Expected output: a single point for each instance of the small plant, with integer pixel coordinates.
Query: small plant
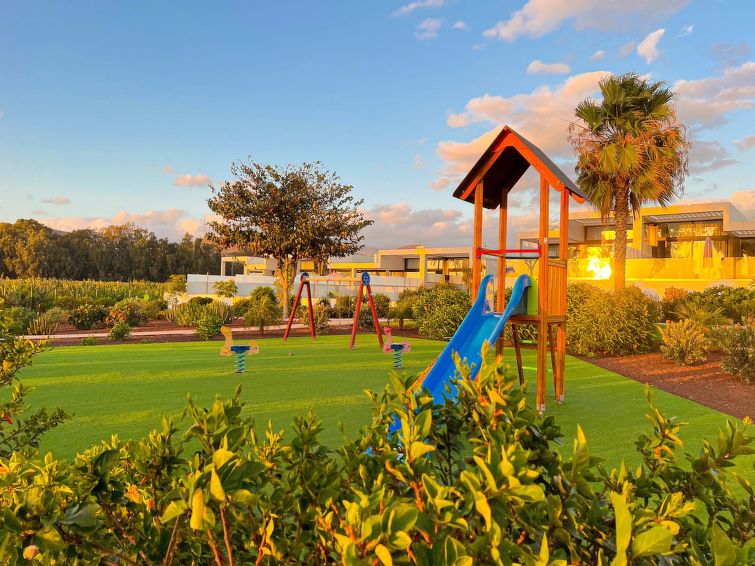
(200, 300)
(208, 326)
(673, 297)
(262, 309)
(147, 340)
(88, 316)
(320, 316)
(737, 342)
(176, 284)
(120, 331)
(344, 306)
(89, 341)
(222, 311)
(684, 342)
(43, 325)
(227, 289)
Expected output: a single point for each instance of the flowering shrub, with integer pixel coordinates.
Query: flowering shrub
(130, 311)
(88, 316)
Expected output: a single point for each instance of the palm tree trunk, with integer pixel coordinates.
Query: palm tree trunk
(621, 215)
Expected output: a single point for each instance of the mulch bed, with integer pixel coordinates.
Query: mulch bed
(706, 383)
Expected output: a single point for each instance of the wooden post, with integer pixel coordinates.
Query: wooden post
(501, 302)
(477, 260)
(563, 255)
(542, 302)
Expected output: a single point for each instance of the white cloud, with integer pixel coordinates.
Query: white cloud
(745, 143)
(597, 55)
(687, 30)
(538, 67)
(418, 4)
(59, 201)
(543, 116)
(710, 101)
(428, 29)
(459, 25)
(540, 17)
(648, 47)
(708, 155)
(191, 180)
(626, 49)
(171, 223)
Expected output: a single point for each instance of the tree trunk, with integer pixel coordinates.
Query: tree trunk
(621, 216)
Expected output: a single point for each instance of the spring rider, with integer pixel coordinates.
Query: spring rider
(240, 351)
(397, 349)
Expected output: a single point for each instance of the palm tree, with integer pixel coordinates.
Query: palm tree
(631, 151)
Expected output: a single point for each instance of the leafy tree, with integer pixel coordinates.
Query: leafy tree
(631, 151)
(288, 214)
(227, 289)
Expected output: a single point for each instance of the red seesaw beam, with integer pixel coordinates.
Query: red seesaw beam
(504, 252)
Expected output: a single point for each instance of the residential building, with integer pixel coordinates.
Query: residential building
(684, 245)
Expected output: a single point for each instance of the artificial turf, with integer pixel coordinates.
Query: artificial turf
(126, 389)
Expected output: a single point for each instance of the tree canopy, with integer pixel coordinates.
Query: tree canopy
(631, 151)
(299, 212)
(115, 253)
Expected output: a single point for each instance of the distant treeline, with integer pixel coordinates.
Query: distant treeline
(115, 253)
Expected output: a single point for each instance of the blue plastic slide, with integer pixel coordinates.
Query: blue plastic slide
(481, 323)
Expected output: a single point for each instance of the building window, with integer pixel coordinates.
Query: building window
(411, 265)
(746, 247)
(233, 268)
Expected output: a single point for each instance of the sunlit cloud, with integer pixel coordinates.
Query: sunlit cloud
(58, 201)
(537, 67)
(418, 5)
(191, 180)
(648, 47)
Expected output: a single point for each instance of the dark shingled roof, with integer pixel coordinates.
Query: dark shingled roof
(508, 167)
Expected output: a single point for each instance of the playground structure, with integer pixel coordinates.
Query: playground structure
(364, 286)
(397, 350)
(487, 185)
(238, 350)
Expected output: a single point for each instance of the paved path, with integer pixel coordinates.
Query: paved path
(103, 333)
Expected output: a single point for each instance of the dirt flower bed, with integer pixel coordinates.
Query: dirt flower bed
(705, 383)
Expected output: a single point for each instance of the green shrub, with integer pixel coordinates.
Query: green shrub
(147, 340)
(88, 316)
(43, 325)
(200, 300)
(382, 308)
(17, 319)
(120, 331)
(222, 311)
(480, 480)
(176, 284)
(344, 306)
(89, 341)
(227, 289)
(603, 323)
(130, 311)
(319, 314)
(737, 342)
(56, 315)
(684, 342)
(705, 317)
(263, 309)
(208, 326)
(402, 309)
(673, 297)
(439, 311)
(735, 303)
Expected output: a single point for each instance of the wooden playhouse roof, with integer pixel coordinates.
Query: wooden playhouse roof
(502, 165)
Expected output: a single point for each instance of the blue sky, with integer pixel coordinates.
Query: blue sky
(123, 111)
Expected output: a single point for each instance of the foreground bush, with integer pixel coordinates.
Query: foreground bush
(439, 311)
(737, 343)
(684, 342)
(604, 323)
(477, 481)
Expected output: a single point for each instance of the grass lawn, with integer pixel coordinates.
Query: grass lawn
(125, 389)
